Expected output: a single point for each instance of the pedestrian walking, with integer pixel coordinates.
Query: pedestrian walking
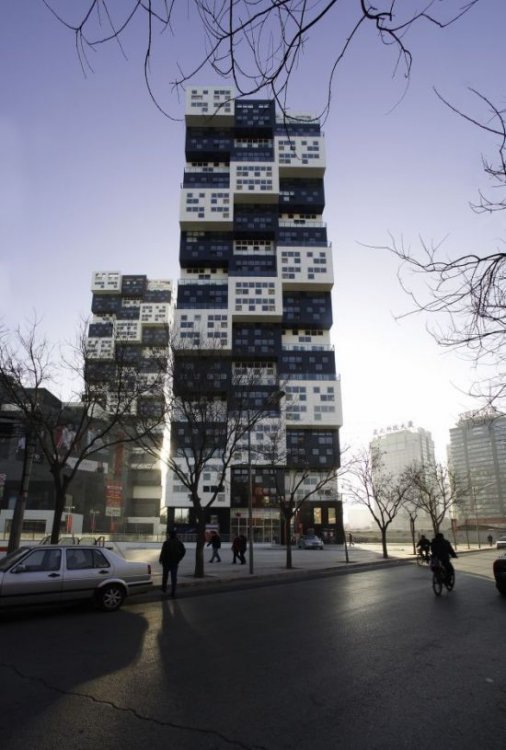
(236, 550)
(172, 552)
(350, 540)
(490, 539)
(243, 544)
(215, 543)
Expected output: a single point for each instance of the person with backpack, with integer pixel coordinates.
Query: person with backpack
(172, 552)
(215, 543)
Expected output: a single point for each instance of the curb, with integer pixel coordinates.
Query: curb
(200, 586)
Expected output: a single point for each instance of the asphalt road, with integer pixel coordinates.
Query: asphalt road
(366, 660)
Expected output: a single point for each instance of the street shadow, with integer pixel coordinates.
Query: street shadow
(52, 652)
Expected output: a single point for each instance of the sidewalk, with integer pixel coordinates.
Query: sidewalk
(269, 564)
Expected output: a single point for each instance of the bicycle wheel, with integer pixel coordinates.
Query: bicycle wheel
(419, 560)
(450, 581)
(437, 583)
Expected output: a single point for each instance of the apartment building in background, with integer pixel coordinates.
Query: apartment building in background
(254, 299)
(400, 447)
(131, 318)
(477, 454)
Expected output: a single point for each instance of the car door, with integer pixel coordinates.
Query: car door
(85, 569)
(36, 579)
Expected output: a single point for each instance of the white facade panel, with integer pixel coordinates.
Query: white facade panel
(203, 101)
(300, 155)
(255, 298)
(306, 339)
(306, 267)
(206, 329)
(106, 281)
(149, 492)
(313, 402)
(155, 313)
(100, 348)
(206, 208)
(256, 182)
(128, 330)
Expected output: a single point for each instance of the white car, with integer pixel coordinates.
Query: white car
(57, 573)
(310, 541)
(501, 543)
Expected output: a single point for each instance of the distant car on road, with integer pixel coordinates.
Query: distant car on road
(310, 541)
(501, 542)
(58, 573)
(499, 568)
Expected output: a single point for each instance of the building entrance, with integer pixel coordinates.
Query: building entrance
(266, 526)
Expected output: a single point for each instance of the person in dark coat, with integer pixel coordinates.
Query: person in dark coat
(236, 549)
(443, 550)
(172, 552)
(215, 543)
(243, 543)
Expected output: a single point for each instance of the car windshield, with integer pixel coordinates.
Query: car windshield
(12, 557)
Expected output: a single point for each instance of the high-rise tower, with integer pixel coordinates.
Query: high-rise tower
(254, 297)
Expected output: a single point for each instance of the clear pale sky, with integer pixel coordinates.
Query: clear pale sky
(90, 174)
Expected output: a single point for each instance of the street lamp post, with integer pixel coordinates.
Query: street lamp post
(93, 514)
(250, 502)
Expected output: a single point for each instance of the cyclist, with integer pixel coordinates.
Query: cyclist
(423, 547)
(442, 550)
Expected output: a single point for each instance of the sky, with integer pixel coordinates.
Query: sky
(90, 174)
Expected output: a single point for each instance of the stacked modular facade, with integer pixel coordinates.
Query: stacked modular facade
(255, 295)
(131, 318)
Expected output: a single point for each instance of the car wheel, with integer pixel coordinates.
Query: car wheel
(111, 597)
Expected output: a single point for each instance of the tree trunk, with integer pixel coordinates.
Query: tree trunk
(201, 541)
(59, 507)
(412, 529)
(288, 542)
(384, 543)
(19, 509)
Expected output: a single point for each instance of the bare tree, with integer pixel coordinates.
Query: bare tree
(67, 432)
(255, 44)
(434, 490)
(370, 485)
(467, 294)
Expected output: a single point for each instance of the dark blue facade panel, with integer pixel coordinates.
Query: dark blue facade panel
(128, 354)
(208, 144)
(205, 249)
(253, 265)
(206, 180)
(314, 449)
(129, 313)
(202, 296)
(301, 196)
(256, 340)
(99, 372)
(298, 128)
(201, 375)
(155, 335)
(256, 221)
(251, 153)
(267, 485)
(307, 310)
(100, 330)
(254, 117)
(104, 303)
(300, 363)
(133, 285)
(157, 295)
(306, 236)
(255, 399)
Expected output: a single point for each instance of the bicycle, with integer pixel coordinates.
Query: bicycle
(440, 577)
(422, 559)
